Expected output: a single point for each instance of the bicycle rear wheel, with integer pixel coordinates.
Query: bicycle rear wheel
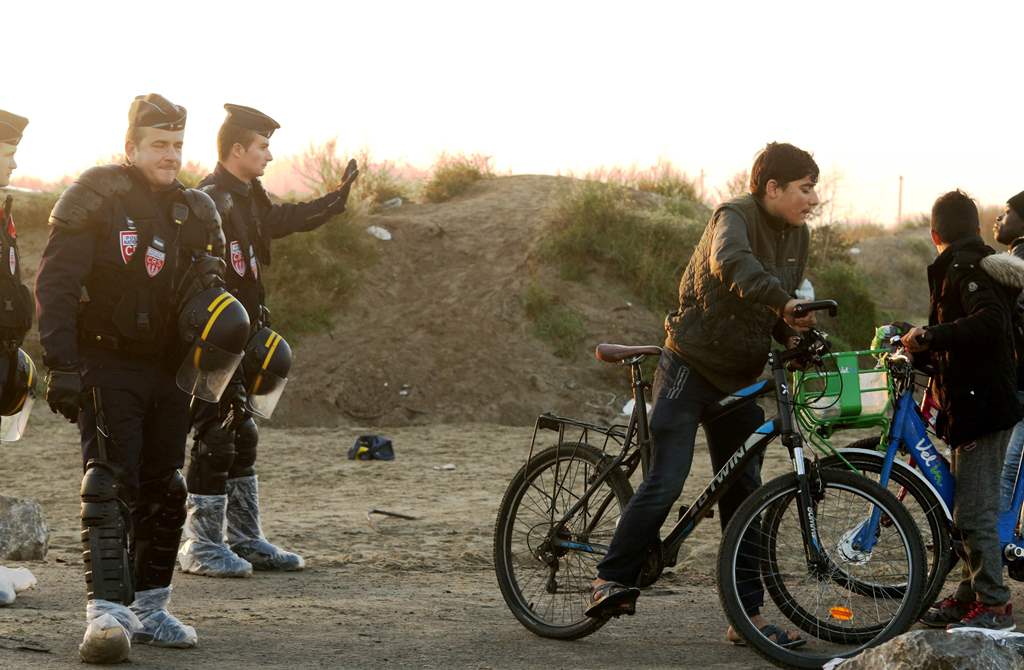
(837, 620)
(547, 585)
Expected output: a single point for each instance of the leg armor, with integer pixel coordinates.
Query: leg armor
(247, 435)
(158, 518)
(105, 524)
(213, 453)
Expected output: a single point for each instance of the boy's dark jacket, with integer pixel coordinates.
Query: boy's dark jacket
(973, 290)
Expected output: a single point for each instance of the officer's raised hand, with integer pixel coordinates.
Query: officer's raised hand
(347, 179)
(64, 393)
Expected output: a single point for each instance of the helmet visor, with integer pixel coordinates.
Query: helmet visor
(264, 393)
(206, 371)
(13, 427)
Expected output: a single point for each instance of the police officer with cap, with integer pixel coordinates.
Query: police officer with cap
(17, 371)
(221, 473)
(125, 242)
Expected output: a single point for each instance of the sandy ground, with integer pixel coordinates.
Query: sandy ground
(409, 594)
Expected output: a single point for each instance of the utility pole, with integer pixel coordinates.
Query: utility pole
(899, 207)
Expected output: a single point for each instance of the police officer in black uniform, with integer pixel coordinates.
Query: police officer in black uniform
(16, 307)
(123, 241)
(221, 472)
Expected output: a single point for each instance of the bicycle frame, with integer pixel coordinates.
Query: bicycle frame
(908, 429)
(783, 425)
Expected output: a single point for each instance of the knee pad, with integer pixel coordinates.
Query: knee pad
(247, 436)
(158, 518)
(105, 526)
(213, 453)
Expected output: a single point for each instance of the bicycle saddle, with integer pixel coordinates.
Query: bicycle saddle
(616, 353)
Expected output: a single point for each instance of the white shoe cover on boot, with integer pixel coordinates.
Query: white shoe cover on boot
(12, 582)
(245, 535)
(160, 628)
(108, 638)
(204, 551)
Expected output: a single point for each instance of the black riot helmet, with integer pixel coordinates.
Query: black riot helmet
(215, 327)
(18, 395)
(268, 358)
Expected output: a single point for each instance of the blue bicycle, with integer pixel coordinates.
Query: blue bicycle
(925, 483)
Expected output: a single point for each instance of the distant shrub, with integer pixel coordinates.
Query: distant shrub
(662, 178)
(554, 322)
(314, 273)
(453, 175)
(31, 210)
(192, 173)
(855, 325)
(603, 227)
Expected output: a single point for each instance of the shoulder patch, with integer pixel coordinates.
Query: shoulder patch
(972, 286)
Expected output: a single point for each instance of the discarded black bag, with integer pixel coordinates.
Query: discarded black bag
(372, 448)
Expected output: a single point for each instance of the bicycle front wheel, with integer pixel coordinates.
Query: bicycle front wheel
(763, 549)
(545, 566)
(922, 503)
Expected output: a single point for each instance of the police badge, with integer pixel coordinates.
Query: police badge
(237, 260)
(155, 256)
(129, 241)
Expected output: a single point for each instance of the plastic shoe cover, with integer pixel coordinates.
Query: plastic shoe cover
(108, 636)
(160, 627)
(12, 582)
(204, 551)
(7, 592)
(245, 534)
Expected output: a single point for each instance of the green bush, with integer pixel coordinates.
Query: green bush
(603, 227)
(313, 273)
(855, 325)
(453, 175)
(554, 322)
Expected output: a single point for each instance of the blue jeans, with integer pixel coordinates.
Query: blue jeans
(683, 400)
(1012, 461)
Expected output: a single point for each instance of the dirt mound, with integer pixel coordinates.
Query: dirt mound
(436, 331)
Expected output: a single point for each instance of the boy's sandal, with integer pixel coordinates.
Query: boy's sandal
(782, 638)
(612, 599)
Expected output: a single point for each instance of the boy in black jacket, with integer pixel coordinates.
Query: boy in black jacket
(970, 343)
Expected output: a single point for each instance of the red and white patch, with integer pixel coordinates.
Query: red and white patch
(12, 232)
(253, 264)
(13, 261)
(154, 261)
(237, 260)
(129, 242)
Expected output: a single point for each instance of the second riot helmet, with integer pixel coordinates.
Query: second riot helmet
(18, 394)
(268, 358)
(215, 327)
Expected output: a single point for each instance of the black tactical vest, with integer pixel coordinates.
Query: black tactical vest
(246, 251)
(16, 304)
(128, 299)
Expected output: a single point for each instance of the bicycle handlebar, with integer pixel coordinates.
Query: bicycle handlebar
(804, 308)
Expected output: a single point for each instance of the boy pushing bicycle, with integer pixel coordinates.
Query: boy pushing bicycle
(734, 296)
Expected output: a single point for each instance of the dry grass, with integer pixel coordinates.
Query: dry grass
(453, 174)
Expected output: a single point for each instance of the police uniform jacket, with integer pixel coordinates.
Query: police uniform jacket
(250, 222)
(106, 281)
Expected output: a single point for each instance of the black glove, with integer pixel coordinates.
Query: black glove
(64, 393)
(232, 401)
(347, 179)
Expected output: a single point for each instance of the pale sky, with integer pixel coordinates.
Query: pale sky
(928, 90)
